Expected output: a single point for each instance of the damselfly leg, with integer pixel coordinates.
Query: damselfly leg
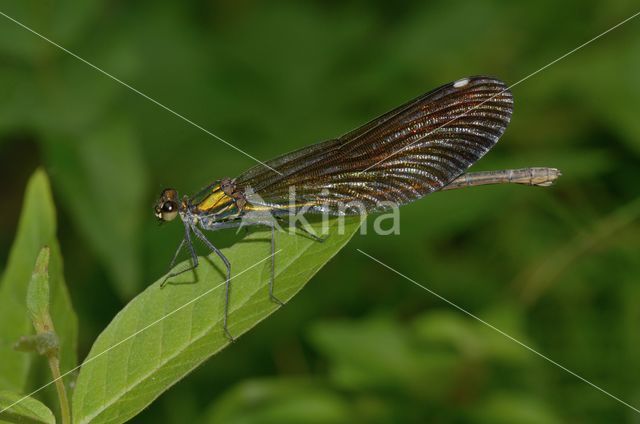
(194, 258)
(195, 262)
(227, 284)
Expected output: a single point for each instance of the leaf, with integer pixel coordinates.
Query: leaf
(358, 359)
(36, 229)
(38, 292)
(474, 339)
(102, 180)
(514, 407)
(282, 400)
(26, 411)
(449, 328)
(143, 358)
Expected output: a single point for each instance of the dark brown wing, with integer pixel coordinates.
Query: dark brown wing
(403, 155)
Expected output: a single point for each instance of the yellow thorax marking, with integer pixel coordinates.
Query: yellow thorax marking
(217, 199)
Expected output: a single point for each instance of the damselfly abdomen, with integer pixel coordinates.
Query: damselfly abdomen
(423, 146)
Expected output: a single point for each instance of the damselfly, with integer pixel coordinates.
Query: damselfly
(423, 146)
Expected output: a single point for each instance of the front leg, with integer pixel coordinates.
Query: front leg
(175, 255)
(186, 240)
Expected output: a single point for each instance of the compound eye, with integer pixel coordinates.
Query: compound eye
(169, 206)
(169, 210)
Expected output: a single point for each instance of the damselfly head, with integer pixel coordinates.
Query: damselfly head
(167, 207)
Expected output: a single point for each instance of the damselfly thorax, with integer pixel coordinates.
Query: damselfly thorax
(423, 146)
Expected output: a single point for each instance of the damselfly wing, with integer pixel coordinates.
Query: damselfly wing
(405, 154)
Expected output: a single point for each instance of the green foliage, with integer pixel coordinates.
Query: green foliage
(26, 411)
(439, 361)
(284, 401)
(556, 268)
(163, 334)
(36, 229)
(103, 176)
(38, 292)
(46, 340)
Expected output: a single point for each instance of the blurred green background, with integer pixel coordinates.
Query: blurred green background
(556, 268)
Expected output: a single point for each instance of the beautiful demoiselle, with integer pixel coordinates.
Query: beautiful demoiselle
(423, 146)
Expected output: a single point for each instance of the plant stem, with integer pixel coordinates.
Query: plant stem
(65, 412)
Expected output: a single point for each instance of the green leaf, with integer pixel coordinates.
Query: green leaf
(449, 328)
(140, 354)
(38, 292)
(515, 407)
(36, 229)
(102, 179)
(25, 411)
(283, 400)
(358, 359)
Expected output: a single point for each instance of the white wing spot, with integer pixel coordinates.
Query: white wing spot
(461, 83)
